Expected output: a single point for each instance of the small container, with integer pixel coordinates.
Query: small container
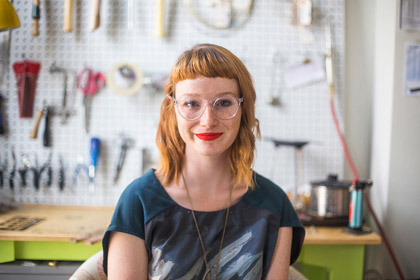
(330, 198)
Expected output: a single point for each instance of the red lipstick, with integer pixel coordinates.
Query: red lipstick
(208, 136)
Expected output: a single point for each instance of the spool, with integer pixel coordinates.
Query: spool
(115, 83)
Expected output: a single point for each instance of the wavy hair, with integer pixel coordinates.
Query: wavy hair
(207, 60)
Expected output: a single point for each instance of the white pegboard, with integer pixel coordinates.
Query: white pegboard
(303, 115)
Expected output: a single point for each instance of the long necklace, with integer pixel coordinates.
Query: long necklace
(199, 234)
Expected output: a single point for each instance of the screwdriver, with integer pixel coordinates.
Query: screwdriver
(2, 129)
(95, 145)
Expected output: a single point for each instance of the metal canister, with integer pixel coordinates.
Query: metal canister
(330, 198)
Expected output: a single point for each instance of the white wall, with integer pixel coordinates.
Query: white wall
(375, 63)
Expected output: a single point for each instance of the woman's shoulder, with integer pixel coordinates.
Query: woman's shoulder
(265, 186)
(266, 194)
(144, 187)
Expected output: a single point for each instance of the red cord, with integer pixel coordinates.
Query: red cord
(356, 177)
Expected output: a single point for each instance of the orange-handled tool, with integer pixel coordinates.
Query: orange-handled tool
(95, 15)
(36, 15)
(159, 28)
(68, 16)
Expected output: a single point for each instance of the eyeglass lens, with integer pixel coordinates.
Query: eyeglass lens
(224, 107)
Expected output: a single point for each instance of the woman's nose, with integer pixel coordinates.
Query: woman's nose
(208, 118)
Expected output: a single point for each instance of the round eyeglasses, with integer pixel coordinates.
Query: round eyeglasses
(192, 108)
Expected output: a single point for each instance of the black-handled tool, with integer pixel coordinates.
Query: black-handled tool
(22, 173)
(12, 172)
(1, 173)
(61, 178)
(46, 141)
(2, 128)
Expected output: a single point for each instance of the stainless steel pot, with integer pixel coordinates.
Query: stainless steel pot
(330, 198)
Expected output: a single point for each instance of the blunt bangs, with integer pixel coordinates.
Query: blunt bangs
(203, 62)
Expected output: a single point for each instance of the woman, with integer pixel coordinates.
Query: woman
(204, 214)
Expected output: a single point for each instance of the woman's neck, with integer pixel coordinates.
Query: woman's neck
(207, 173)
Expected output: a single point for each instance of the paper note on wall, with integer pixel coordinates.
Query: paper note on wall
(412, 70)
(304, 73)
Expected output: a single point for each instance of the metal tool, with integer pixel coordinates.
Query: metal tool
(22, 173)
(80, 167)
(124, 144)
(89, 83)
(95, 146)
(12, 172)
(65, 112)
(2, 168)
(46, 138)
(61, 177)
(37, 171)
(2, 127)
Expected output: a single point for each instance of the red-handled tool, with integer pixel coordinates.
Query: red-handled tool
(89, 83)
(26, 76)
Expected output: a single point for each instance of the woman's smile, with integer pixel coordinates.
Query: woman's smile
(208, 136)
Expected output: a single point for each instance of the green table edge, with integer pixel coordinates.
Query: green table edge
(46, 250)
(341, 261)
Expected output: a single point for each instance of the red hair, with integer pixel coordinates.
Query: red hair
(207, 60)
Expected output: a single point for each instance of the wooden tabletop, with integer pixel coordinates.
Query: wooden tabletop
(57, 223)
(337, 236)
(88, 223)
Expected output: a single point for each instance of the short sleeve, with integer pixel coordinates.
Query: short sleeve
(128, 217)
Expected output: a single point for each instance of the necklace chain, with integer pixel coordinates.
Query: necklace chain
(199, 234)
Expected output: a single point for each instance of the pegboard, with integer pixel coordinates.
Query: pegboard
(304, 112)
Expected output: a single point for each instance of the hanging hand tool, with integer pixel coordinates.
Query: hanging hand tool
(89, 83)
(61, 176)
(26, 76)
(68, 16)
(95, 15)
(37, 172)
(125, 143)
(80, 166)
(49, 171)
(38, 116)
(22, 174)
(65, 112)
(12, 171)
(2, 167)
(2, 128)
(95, 146)
(160, 21)
(36, 15)
(46, 139)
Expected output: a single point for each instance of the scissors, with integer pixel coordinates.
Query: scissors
(89, 83)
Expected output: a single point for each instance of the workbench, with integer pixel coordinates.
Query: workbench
(73, 233)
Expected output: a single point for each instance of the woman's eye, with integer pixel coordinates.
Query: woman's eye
(191, 104)
(224, 103)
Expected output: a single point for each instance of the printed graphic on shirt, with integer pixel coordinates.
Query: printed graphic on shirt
(242, 254)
